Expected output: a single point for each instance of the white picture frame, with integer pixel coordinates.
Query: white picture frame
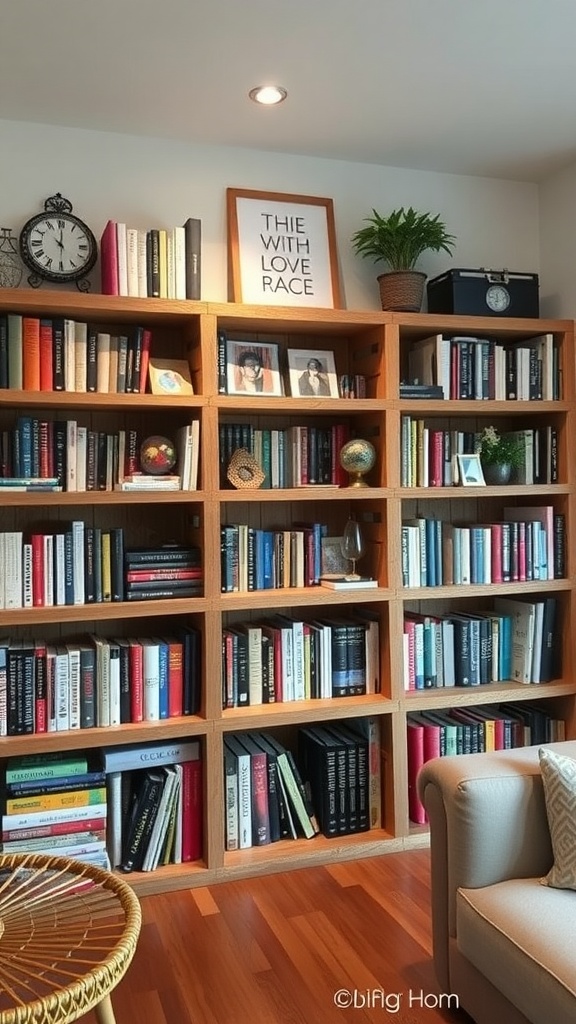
(253, 368)
(312, 373)
(470, 471)
(281, 249)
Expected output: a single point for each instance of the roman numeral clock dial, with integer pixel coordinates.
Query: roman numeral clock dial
(58, 246)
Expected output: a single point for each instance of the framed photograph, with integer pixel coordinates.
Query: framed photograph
(470, 469)
(312, 373)
(281, 249)
(252, 368)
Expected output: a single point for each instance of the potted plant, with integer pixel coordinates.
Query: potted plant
(499, 454)
(399, 240)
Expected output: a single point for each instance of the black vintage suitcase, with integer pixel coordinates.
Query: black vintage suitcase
(484, 292)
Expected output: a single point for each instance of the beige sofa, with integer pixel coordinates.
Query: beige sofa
(504, 943)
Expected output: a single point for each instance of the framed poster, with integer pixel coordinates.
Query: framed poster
(281, 249)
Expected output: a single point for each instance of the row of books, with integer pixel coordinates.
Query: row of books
(160, 263)
(253, 559)
(481, 368)
(429, 455)
(155, 799)
(98, 681)
(55, 804)
(528, 544)
(67, 455)
(330, 785)
(41, 354)
(518, 640)
(81, 564)
(289, 659)
(296, 456)
(472, 730)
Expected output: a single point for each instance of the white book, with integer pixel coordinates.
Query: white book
(141, 755)
(78, 560)
(523, 615)
(122, 256)
(71, 454)
(132, 261)
(151, 673)
(538, 634)
(114, 819)
(448, 665)
(465, 568)
(73, 686)
(61, 690)
(298, 659)
(180, 262)
(69, 355)
(48, 560)
(27, 600)
(230, 800)
(114, 697)
(15, 362)
(3, 575)
(81, 453)
(254, 634)
(13, 570)
(80, 355)
(170, 265)
(59, 569)
(142, 265)
(160, 825)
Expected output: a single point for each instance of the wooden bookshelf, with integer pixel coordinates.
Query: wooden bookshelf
(371, 343)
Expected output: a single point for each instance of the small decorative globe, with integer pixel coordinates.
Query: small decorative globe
(357, 457)
(157, 455)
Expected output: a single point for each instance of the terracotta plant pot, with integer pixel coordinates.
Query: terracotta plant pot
(402, 290)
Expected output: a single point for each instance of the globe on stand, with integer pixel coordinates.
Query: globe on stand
(357, 457)
(352, 547)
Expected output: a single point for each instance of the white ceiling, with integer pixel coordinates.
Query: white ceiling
(467, 86)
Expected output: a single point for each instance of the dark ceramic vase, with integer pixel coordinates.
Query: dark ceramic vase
(497, 472)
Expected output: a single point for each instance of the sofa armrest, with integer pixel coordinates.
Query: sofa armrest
(487, 824)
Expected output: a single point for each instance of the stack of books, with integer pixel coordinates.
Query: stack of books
(155, 573)
(55, 804)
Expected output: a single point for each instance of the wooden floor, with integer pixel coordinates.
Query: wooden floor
(290, 949)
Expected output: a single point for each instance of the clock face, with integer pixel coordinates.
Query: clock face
(58, 247)
(497, 298)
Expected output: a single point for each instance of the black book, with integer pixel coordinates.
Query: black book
(60, 451)
(117, 563)
(124, 649)
(145, 803)
(550, 656)
(3, 352)
(87, 686)
(168, 556)
(165, 594)
(153, 263)
(191, 640)
(89, 568)
(222, 367)
(192, 249)
(91, 359)
(58, 355)
(317, 749)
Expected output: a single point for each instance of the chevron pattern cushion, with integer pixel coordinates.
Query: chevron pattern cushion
(559, 779)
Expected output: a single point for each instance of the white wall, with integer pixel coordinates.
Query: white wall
(154, 183)
(558, 244)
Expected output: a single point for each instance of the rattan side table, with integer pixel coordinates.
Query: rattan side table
(68, 932)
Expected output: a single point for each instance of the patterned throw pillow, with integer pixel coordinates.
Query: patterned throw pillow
(559, 778)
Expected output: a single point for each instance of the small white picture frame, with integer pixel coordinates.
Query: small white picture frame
(312, 373)
(470, 469)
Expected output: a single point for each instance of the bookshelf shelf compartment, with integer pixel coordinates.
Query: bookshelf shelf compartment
(374, 344)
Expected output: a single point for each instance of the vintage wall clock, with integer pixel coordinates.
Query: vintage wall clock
(57, 246)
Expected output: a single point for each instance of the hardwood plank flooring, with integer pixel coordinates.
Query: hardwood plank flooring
(277, 949)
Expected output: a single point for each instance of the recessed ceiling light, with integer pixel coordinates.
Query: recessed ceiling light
(268, 94)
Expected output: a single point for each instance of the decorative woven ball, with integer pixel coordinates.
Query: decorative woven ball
(157, 455)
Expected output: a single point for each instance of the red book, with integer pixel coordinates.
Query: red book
(192, 810)
(46, 356)
(37, 541)
(135, 681)
(31, 353)
(144, 358)
(175, 677)
(153, 575)
(522, 552)
(109, 259)
(496, 546)
(40, 688)
(437, 458)
(415, 744)
(59, 828)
